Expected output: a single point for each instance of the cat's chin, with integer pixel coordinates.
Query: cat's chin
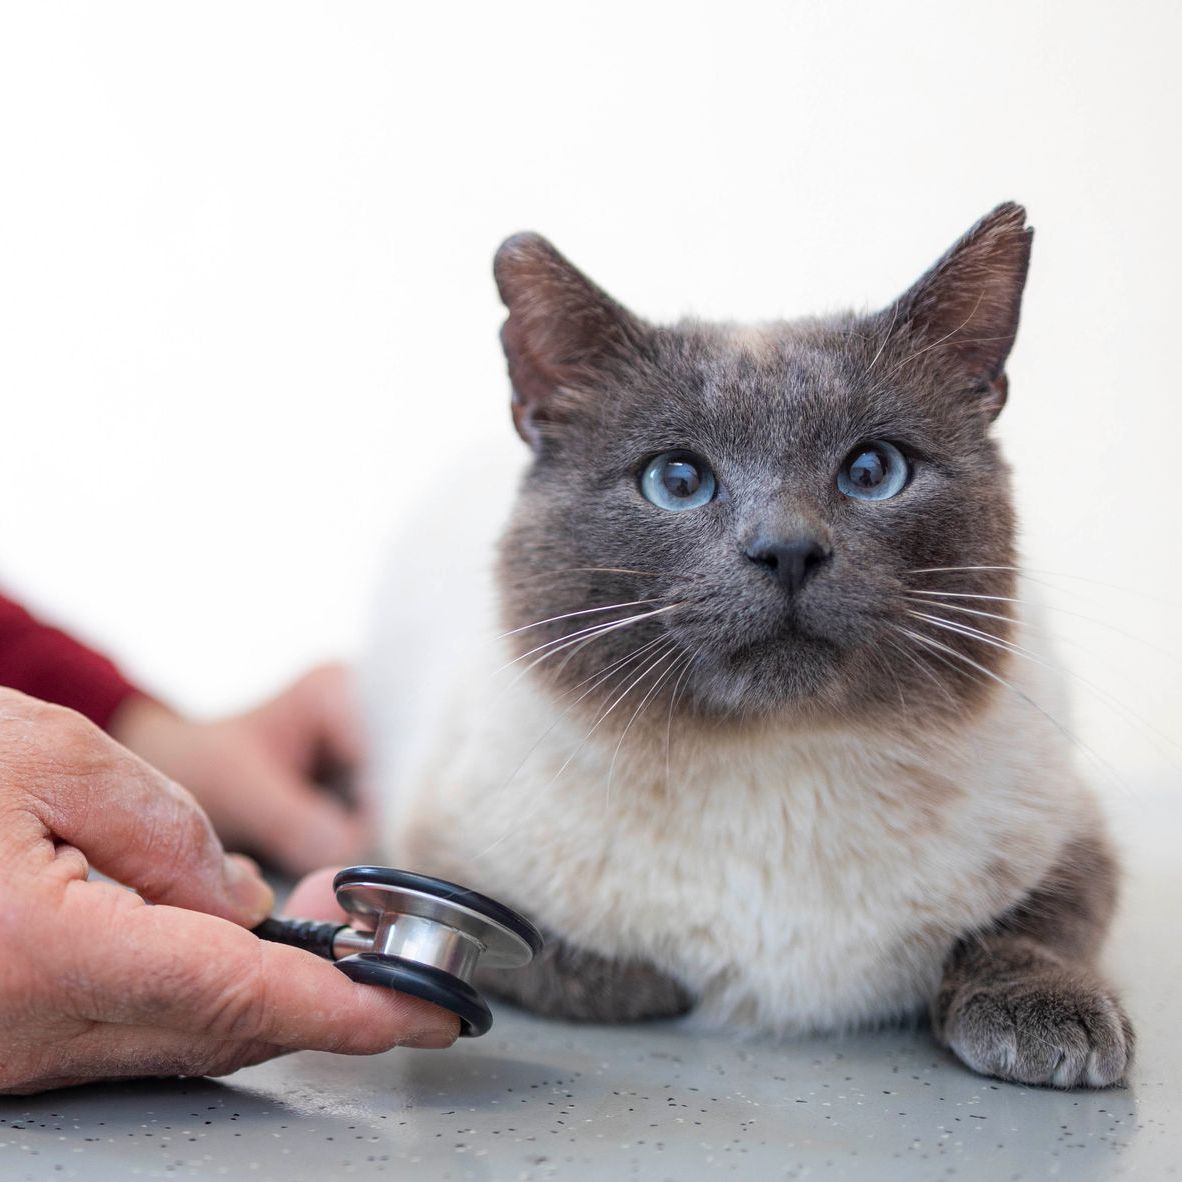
(797, 682)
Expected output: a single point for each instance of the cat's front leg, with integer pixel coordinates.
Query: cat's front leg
(1021, 1000)
(1012, 1008)
(565, 981)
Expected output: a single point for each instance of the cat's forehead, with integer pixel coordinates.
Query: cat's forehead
(767, 386)
(790, 365)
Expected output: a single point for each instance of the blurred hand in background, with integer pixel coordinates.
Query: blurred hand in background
(260, 774)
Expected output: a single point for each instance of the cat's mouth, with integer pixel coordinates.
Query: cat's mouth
(739, 628)
(738, 668)
(759, 682)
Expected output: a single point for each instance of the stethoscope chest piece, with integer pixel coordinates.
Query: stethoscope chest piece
(418, 935)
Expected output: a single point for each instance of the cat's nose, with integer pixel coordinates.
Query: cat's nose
(790, 561)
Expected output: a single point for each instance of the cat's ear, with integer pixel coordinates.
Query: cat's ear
(562, 333)
(964, 311)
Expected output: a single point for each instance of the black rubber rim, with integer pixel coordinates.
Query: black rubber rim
(441, 888)
(425, 981)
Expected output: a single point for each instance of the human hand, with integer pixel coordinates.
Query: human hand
(252, 772)
(97, 984)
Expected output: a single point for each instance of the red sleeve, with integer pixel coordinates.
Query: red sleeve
(46, 663)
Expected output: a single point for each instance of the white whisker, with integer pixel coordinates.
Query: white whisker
(902, 651)
(599, 722)
(587, 611)
(886, 336)
(689, 660)
(561, 642)
(601, 674)
(608, 570)
(1006, 646)
(1028, 571)
(660, 680)
(935, 344)
(965, 595)
(932, 644)
(930, 570)
(1064, 611)
(598, 679)
(575, 649)
(976, 634)
(971, 611)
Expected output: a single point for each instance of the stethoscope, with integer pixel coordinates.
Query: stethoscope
(418, 935)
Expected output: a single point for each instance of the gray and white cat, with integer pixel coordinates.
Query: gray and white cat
(734, 712)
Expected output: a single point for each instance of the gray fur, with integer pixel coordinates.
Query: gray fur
(1014, 1009)
(581, 986)
(1021, 1000)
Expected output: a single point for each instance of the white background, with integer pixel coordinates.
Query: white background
(246, 314)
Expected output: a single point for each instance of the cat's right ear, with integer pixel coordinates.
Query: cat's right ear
(562, 333)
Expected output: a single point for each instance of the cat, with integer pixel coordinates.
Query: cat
(754, 741)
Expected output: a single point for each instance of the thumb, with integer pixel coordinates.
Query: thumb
(133, 823)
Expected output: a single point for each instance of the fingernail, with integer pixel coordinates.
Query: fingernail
(428, 1040)
(248, 888)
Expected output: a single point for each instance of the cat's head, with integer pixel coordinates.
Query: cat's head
(789, 518)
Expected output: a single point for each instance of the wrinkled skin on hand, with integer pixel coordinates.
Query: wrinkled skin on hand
(95, 983)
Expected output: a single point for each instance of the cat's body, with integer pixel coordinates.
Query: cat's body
(789, 880)
(795, 832)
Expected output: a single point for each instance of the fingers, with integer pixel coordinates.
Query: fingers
(249, 773)
(293, 822)
(109, 1051)
(207, 977)
(131, 822)
(325, 700)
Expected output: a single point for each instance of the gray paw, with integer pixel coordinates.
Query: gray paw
(1058, 1029)
(581, 986)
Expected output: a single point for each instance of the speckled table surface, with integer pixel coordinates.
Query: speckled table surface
(536, 1100)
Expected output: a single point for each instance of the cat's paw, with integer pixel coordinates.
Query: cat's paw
(568, 982)
(1056, 1029)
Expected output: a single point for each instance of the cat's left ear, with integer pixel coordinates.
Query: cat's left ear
(563, 333)
(964, 311)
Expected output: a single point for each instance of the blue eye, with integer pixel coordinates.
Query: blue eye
(678, 480)
(873, 472)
